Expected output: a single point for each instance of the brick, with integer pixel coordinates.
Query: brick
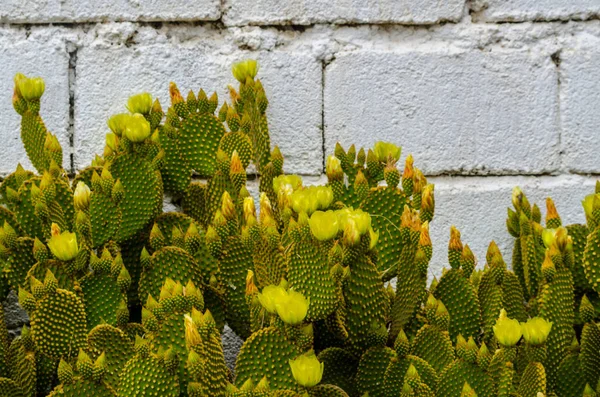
(536, 10)
(34, 11)
(469, 112)
(477, 207)
(269, 12)
(107, 77)
(42, 54)
(580, 79)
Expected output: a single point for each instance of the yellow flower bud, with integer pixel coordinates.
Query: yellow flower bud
(307, 370)
(81, 196)
(140, 103)
(31, 88)
(548, 236)
(536, 331)
(112, 141)
(244, 69)
(63, 245)
(137, 129)
(386, 151)
(292, 308)
(333, 168)
(118, 122)
(324, 225)
(270, 295)
(294, 181)
(192, 337)
(507, 331)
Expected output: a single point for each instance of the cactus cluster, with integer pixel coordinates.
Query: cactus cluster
(327, 285)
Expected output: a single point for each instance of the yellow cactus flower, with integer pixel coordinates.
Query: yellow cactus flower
(307, 370)
(507, 331)
(292, 308)
(386, 151)
(333, 168)
(244, 69)
(63, 245)
(137, 129)
(270, 296)
(81, 196)
(548, 236)
(118, 122)
(536, 331)
(294, 181)
(192, 336)
(324, 196)
(324, 225)
(140, 103)
(31, 88)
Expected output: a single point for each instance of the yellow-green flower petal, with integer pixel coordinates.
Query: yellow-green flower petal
(307, 370)
(269, 297)
(63, 245)
(507, 331)
(292, 308)
(324, 225)
(536, 330)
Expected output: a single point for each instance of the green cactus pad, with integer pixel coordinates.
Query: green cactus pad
(490, 300)
(579, 235)
(371, 371)
(590, 353)
(236, 262)
(25, 211)
(385, 205)
(168, 220)
(453, 378)
(176, 172)
(14, 181)
(340, 369)
(102, 297)
(58, 325)
(434, 346)
(9, 217)
(84, 387)
(199, 139)
(512, 297)
(455, 291)
(22, 367)
(19, 262)
(172, 262)
(396, 373)
(4, 348)
(117, 347)
(193, 203)
(308, 273)
(147, 377)
(266, 353)
(143, 193)
(57, 268)
(570, 380)
(33, 136)
(10, 388)
(327, 391)
(556, 302)
(105, 218)
(171, 335)
(533, 380)
(237, 141)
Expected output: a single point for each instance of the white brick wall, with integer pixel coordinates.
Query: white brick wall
(482, 105)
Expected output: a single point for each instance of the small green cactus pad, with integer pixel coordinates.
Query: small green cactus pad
(269, 264)
(117, 347)
(579, 235)
(570, 380)
(385, 205)
(490, 301)
(214, 302)
(130, 252)
(327, 391)
(168, 220)
(83, 387)
(532, 255)
(33, 136)
(237, 141)
(193, 203)
(9, 217)
(64, 198)
(308, 273)
(455, 291)
(216, 369)
(556, 301)
(4, 346)
(10, 388)
(105, 218)
(434, 346)
(143, 193)
(591, 258)
(102, 297)
(147, 377)
(512, 297)
(13, 181)
(22, 367)
(171, 262)
(176, 172)
(453, 378)
(396, 373)
(46, 373)
(171, 335)
(266, 353)
(371, 371)
(235, 263)
(19, 262)
(340, 369)
(533, 380)
(58, 325)
(199, 139)
(365, 302)
(25, 211)
(590, 353)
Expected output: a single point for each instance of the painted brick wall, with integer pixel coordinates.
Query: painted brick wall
(487, 94)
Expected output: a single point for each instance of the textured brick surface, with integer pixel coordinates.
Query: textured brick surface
(258, 12)
(580, 80)
(42, 54)
(42, 11)
(467, 112)
(105, 79)
(537, 10)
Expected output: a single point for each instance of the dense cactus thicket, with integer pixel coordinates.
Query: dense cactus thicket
(327, 285)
